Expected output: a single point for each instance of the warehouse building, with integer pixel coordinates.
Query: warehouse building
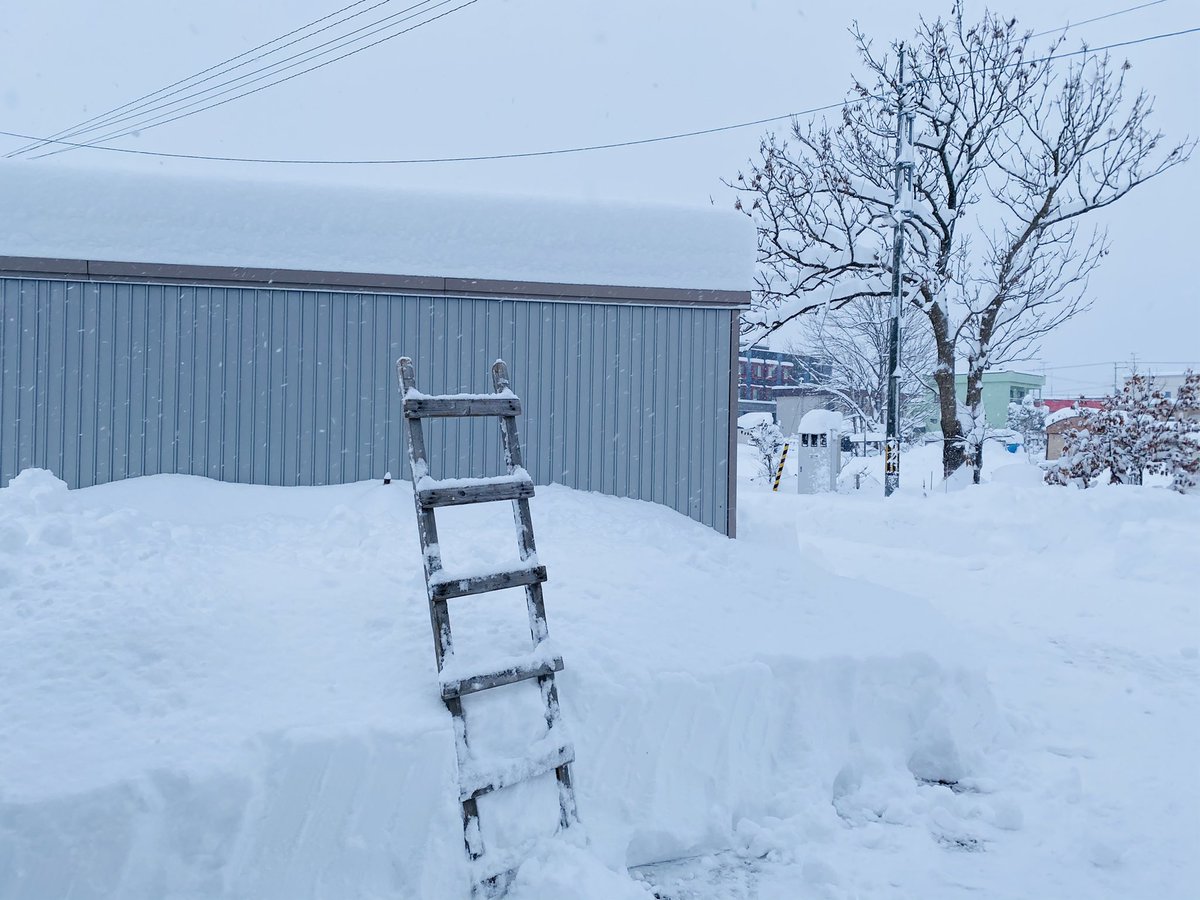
(248, 331)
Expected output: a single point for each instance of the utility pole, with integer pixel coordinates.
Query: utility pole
(901, 209)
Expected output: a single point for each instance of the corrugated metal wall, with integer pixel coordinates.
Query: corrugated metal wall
(103, 380)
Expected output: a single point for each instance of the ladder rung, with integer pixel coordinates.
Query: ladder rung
(448, 588)
(430, 407)
(514, 772)
(483, 490)
(511, 675)
(497, 883)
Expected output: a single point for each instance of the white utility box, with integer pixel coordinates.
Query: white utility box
(818, 461)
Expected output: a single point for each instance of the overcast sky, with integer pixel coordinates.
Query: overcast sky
(515, 75)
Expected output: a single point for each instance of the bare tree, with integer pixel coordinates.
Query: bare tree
(853, 340)
(1013, 151)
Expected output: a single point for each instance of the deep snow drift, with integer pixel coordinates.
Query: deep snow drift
(228, 691)
(220, 691)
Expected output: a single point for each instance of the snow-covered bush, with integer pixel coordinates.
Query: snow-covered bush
(767, 439)
(1028, 420)
(1084, 454)
(1140, 431)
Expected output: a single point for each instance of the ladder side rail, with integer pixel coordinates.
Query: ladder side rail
(439, 611)
(534, 601)
(567, 812)
(431, 557)
(514, 459)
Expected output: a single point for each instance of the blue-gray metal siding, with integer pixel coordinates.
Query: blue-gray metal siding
(107, 380)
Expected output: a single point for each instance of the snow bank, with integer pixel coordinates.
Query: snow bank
(59, 211)
(224, 691)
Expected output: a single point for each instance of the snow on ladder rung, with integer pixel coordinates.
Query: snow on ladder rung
(447, 587)
(497, 884)
(496, 870)
(460, 687)
(460, 407)
(461, 491)
(476, 784)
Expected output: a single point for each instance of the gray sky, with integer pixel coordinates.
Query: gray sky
(515, 75)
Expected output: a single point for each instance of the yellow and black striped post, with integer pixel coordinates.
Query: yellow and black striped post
(779, 471)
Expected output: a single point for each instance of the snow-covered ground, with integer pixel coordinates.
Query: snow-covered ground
(1081, 608)
(218, 691)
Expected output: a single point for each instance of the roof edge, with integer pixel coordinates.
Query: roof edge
(110, 270)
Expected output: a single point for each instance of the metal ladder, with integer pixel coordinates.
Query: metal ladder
(550, 753)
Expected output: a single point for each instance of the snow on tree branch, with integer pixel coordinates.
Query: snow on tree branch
(1012, 154)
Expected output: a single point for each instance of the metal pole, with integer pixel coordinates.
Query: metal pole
(900, 211)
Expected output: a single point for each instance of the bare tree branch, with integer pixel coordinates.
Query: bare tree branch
(1012, 154)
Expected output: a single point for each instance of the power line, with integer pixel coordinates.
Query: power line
(218, 69)
(559, 151)
(449, 159)
(1119, 12)
(162, 94)
(147, 112)
(73, 130)
(66, 146)
(1117, 362)
(278, 66)
(1085, 51)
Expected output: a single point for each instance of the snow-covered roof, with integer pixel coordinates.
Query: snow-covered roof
(1059, 415)
(818, 421)
(55, 211)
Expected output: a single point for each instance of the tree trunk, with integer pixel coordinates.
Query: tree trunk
(974, 403)
(943, 376)
(952, 434)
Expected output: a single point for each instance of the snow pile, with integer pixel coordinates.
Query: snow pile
(224, 691)
(57, 211)
(822, 421)
(748, 420)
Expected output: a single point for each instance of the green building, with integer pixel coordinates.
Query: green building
(999, 389)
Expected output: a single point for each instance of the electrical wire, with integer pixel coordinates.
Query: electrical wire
(1084, 51)
(1126, 363)
(449, 159)
(147, 112)
(161, 116)
(106, 119)
(1119, 12)
(78, 128)
(560, 151)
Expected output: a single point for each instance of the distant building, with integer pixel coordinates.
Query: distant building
(1168, 382)
(794, 402)
(764, 374)
(1064, 416)
(1000, 388)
